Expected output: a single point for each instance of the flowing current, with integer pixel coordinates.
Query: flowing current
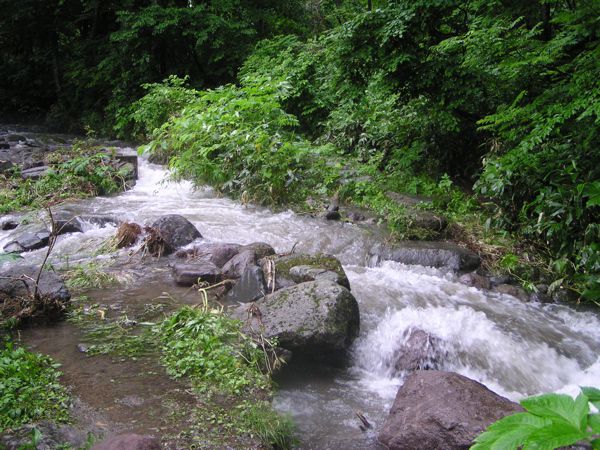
(516, 349)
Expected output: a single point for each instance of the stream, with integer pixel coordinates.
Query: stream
(516, 349)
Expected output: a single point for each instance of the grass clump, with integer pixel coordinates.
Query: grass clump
(89, 276)
(30, 388)
(210, 349)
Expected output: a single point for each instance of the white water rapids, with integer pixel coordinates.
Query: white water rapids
(514, 348)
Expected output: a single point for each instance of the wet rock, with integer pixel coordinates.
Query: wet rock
(129, 164)
(8, 225)
(16, 138)
(441, 410)
(260, 249)
(236, 266)
(475, 280)
(83, 348)
(5, 165)
(34, 173)
(176, 231)
(333, 209)
(250, 287)
(129, 441)
(300, 274)
(28, 241)
(53, 436)
(316, 317)
(217, 253)
(501, 279)
(512, 290)
(283, 264)
(420, 351)
(193, 273)
(17, 286)
(332, 215)
(427, 253)
(4, 145)
(66, 223)
(541, 294)
(416, 217)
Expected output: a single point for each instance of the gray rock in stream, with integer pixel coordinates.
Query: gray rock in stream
(28, 241)
(308, 267)
(441, 410)
(236, 266)
(217, 253)
(193, 273)
(428, 253)
(316, 318)
(176, 232)
(19, 282)
(251, 286)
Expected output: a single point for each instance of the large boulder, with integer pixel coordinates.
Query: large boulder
(260, 249)
(441, 410)
(428, 253)
(176, 231)
(316, 317)
(280, 269)
(419, 351)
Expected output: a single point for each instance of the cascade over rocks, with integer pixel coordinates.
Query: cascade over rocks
(315, 317)
(428, 253)
(236, 266)
(441, 410)
(176, 231)
(420, 351)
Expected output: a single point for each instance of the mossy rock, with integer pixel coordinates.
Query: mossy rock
(319, 262)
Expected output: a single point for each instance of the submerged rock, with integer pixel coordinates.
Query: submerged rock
(475, 280)
(441, 410)
(428, 253)
(53, 436)
(129, 441)
(316, 317)
(193, 273)
(176, 231)
(512, 290)
(216, 253)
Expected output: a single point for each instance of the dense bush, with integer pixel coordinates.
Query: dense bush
(241, 141)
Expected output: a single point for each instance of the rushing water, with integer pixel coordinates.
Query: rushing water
(516, 349)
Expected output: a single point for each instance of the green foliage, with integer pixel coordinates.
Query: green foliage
(241, 141)
(272, 428)
(83, 175)
(88, 276)
(210, 349)
(551, 421)
(30, 388)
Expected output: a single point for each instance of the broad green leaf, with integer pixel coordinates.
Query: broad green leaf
(558, 434)
(596, 444)
(592, 393)
(594, 422)
(509, 432)
(559, 407)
